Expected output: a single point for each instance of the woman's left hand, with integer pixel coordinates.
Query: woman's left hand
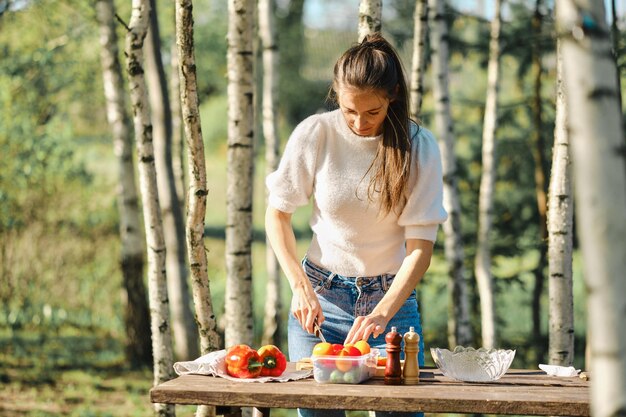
(416, 262)
(364, 326)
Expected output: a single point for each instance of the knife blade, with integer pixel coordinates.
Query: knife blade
(318, 331)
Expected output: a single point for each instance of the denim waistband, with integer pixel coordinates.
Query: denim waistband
(330, 278)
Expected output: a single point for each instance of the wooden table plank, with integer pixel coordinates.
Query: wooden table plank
(518, 392)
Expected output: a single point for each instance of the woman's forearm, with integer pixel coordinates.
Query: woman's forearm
(411, 271)
(305, 306)
(282, 238)
(413, 268)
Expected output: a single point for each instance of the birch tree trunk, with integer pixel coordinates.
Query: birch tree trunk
(238, 305)
(597, 143)
(370, 17)
(136, 314)
(482, 263)
(157, 286)
(459, 331)
(560, 235)
(418, 64)
(183, 326)
(196, 197)
(272, 320)
(537, 150)
(178, 146)
(198, 191)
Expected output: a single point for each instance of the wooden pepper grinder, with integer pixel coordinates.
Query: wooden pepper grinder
(393, 369)
(411, 371)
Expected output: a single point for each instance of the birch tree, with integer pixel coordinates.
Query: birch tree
(459, 331)
(599, 168)
(482, 263)
(136, 314)
(272, 322)
(183, 326)
(157, 286)
(418, 63)
(198, 191)
(370, 17)
(560, 235)
(240, 58)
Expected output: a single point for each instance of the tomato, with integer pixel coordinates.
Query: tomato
(322, 374)
(351, 351)
(382, 361)
(323, 349)
(336, 376)
(363, 347)
(336, 348)
(346, 364)
(353, 376)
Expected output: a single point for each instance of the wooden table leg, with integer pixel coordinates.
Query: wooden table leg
(261, 412)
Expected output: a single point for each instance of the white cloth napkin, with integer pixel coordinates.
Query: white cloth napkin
(214, 363)
(555, 370)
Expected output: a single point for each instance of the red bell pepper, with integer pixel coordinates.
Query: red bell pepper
(274, 361)
(243, 362)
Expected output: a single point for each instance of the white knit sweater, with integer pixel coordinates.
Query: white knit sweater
(325, 159)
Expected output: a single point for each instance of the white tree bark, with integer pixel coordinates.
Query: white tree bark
(157, 286)
(482, 264)
(370, 17)
(197, 193)
(240, 58)
(183, 326)
(560, 235)
(598, 161)
(418, 64)
(459, 331)
(271, 322)
(136, 315)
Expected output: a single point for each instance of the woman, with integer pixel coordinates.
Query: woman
(376, 182)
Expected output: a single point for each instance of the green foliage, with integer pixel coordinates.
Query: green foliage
(211, 26)
(520, 38)
(214, 116)
(46, 195)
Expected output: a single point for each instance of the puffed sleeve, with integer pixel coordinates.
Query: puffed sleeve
(291, 185)
(424, 209)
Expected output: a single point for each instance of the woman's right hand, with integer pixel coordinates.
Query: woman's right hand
(306, 308)
(304, 304)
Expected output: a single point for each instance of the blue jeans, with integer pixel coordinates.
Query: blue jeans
(342, 300)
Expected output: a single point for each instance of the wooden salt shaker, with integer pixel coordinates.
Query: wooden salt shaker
(411, 371)
(393, 369)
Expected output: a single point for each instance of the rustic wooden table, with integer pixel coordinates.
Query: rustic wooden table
(522, 392)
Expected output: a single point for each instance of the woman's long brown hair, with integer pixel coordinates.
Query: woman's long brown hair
(375, 65)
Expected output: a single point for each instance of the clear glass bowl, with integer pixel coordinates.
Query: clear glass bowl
(472, 365)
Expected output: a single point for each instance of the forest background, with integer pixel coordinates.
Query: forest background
(62, 331)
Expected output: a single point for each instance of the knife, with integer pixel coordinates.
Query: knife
(318, 331)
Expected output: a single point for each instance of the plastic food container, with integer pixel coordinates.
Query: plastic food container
(344, 369)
